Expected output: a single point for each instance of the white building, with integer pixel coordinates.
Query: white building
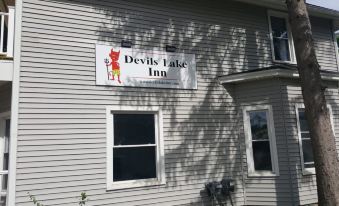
(228, 106)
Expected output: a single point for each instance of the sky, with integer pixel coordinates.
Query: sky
(331, 4)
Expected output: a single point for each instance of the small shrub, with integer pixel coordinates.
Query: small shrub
(82, 201)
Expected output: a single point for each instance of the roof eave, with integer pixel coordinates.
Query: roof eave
(281, 5)
(267, 74)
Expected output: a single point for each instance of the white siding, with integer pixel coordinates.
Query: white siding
(324, 43)
(61, 147)
(306, 184)
(62, 137)
(267, 190)
(291, 187)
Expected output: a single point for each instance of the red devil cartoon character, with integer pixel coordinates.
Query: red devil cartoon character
(115, 65)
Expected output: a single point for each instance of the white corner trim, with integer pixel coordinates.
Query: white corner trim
(15, 104)
(11, 29)
(159, 140)
(266, 74)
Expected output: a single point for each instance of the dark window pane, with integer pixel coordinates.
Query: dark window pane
(305, 136)
(5, 163)
(7, 130)
(262, 155)
(309, 165)
(3, 200)
(302, 120)
(4, 33)
(281, 49)
(6, 146)
(134, 129)
(279, 28)
(134, 163)
(4, 182)
(308, 153)
(280, 39)
(258, 122)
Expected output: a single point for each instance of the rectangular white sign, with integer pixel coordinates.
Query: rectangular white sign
(117, 66)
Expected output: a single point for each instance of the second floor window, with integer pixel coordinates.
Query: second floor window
(281, 38)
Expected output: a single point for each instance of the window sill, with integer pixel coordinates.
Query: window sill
(263, 174)
(135, 184)
(310, 171)
(285, 62)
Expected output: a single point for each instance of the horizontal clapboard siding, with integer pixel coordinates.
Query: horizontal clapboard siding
(267, 190)
(62, 122)
(291, 187)
(62, 134)
(324, 43)
(305, 184)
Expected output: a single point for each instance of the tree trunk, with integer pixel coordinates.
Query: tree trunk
(317, 114)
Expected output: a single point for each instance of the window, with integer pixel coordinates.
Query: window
(281, 38)
(261, 149)
(135, 155)
(4, 155)
(337, 38)
(306, 151)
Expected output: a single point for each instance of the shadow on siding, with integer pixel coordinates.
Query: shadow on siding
(202, 126)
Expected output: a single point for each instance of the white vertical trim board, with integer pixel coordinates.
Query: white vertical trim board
(290, 37)
(2, 31)
(335, 45)
(272, 141)
(159, 142)
(15, 104)
(11, 30)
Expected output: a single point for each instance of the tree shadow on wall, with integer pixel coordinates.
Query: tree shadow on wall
(200, 126)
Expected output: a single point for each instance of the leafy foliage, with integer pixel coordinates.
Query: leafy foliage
(34, 200)
(82, 201)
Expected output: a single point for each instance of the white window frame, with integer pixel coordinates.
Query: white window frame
(290, 37)
(160, 164)
(336, 45)
(3, 117)
(272, 140)
(307, 171)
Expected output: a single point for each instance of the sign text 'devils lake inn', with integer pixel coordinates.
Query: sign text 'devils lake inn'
(117, 66)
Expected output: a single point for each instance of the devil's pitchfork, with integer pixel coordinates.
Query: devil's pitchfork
(108, 72)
